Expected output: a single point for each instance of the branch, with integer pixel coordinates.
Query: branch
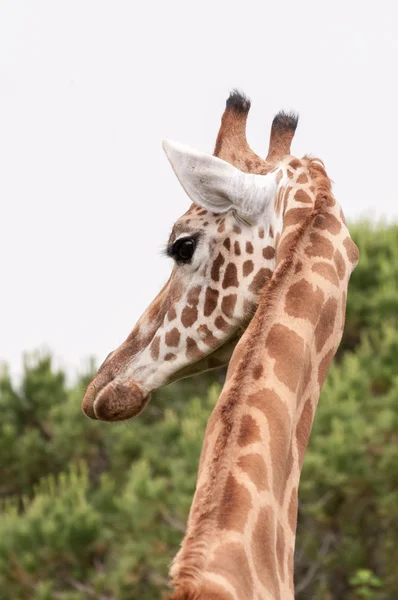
(173, 522)
(81, 587)
(312, 571)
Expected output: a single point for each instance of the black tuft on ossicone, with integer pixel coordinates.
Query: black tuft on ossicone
(285, 121)
(238, 102)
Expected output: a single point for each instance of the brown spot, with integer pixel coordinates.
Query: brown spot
(329, 222)
(230, 561)
(301, 195)
(295, 163)
(287, 348)
(327, 271)
(339, 263)
(278, 419)
(303, 302)
(221, 227)
(215, 270)
(205, 223)
(249, 247)
(230, 276)
(325, 326)
(303, 430)
(261, 232)
(263, 551)
(173, 337)
(260, 280)
(236, 503)
(323, 367)
(289, 463)
(237, 229)
(248, 267)
(237, 248)
(271, 232)
(193, 352)
(302, 178)
(208, 338)
(306, 375)
(269, 252)
(292, 510)
(298, 267)
(258, 370)
(228, 304)
(193, 295)
(261, 399)
(155, 346)
(227, 243)
(351, 249)
(295, 216)
(256, 469)
(211, 301)
(189, 316)
(171, 315)
(249, 431)
(202, 212)
(170, 356)
(280, 550)
(221, 324)
(319, 246)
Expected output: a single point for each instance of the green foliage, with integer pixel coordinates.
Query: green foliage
(90, 510)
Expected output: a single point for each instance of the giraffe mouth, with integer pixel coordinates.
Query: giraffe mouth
(114, 400)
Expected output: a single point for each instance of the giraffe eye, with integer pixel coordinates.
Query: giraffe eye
(182, 250)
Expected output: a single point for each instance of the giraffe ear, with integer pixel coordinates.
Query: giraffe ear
(218, 186)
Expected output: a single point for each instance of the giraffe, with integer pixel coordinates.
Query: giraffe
(277, 263)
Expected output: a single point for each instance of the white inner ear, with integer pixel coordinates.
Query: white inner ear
(218, 186)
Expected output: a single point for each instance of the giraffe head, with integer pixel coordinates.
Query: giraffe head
(223, 250)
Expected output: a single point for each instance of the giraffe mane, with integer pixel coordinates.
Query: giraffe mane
(184, 592)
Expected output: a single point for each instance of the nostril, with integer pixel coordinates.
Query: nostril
(95, 386)
(88, 409)
(88, 401)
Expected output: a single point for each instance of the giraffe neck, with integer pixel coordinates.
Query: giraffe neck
(241, 530)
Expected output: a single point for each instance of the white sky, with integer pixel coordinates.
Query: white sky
(88, 90)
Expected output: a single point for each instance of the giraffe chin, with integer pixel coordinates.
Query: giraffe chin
(117, 401)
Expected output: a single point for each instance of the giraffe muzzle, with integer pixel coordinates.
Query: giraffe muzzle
(115, 401)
